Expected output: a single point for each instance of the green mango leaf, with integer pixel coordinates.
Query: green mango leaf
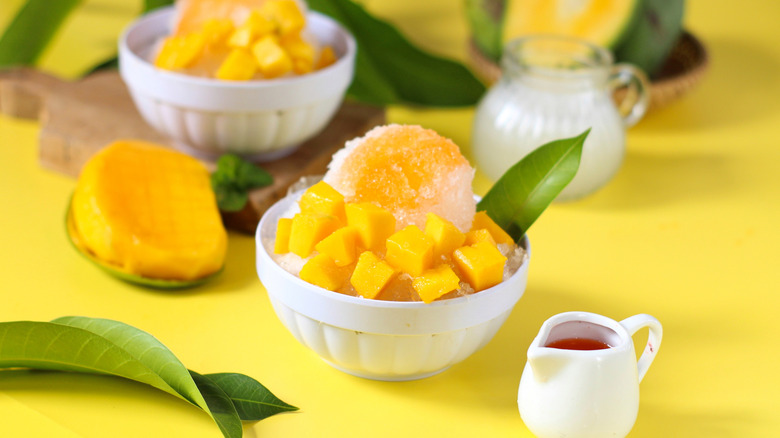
(222, 409)
(102, 346)
(150, 5)
(486, 20)
(31, 30)
(390, 70)
(145, 349)
(252, 400)
(234, 178)
(525, 190)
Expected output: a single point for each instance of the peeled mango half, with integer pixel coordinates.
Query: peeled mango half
(149, 214)
(642, 32)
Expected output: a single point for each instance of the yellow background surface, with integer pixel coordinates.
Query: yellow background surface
(687, 231)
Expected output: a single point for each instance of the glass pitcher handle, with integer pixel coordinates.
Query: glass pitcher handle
(632, 325)
(636, 99)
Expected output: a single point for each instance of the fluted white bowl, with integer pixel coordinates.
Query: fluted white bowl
(382, 340)
(261, 119)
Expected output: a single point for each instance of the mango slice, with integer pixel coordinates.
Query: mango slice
(322, 271)
(149, 211)
(410, 251)
(482, 220)
(446, 236)
(374, 224)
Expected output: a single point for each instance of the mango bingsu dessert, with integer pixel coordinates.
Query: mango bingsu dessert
(149, 211)
(394, 218)
(240, 40)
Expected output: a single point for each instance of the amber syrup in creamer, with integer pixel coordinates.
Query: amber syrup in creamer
(578, 344)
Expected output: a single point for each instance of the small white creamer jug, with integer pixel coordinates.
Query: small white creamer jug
(554, 87)
(582, 378)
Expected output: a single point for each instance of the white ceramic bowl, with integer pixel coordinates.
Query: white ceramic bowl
(382, 340)
(262, 119)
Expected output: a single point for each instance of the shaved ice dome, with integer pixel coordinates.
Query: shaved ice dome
(409, 171)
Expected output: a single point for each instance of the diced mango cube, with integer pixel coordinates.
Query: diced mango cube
(282, 242)
(481, 264)
(271, 58)
(371, 275)
(255, 27)
(482, 220)
(216, 30)
(481, 235)
(410, 251)
(322, 271)
(308, 229)
(436, 282)
(238, 66)
(374, 224)
(180, 51)
(324, 199)
(327, 57)
(446, 236)
(286, 14)
(341, 246)
(301, 52)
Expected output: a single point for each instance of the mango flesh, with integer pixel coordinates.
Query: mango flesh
(149, 211)
(239, 40)
(424, 261)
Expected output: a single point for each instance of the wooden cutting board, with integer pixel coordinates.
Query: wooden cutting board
(79, 118)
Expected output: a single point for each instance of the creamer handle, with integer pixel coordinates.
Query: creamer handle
(634, 324)
(634, 90)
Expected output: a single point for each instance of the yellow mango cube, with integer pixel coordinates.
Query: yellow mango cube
(482, 220)
(371, 275)
(322, 271)
(308, 229)
(282, 242)
(286, 14)
(481, 235)
(481, 264)
(341, 246)
(374, 224)
(327, 57)
(180, 52)
(324, 199)
(435, 282)
(271, 58)
(446, 236)
(410, 251)
(216, 30)
(301, 52)
(255, 27)
(239, 65)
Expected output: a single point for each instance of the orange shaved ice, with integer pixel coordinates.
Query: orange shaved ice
(408, 170)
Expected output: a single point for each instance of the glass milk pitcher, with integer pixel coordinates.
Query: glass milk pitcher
(556, 87)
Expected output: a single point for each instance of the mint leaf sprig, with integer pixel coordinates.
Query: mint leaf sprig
(233, 180)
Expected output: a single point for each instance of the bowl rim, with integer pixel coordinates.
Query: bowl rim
(506, 293)
(156, 14)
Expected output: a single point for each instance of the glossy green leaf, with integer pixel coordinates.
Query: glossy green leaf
(486, 20)
(53, 346)
(150, 5)
(29, 33)
(155, 283)
(391, 70)
(252, 400)
(222, 409)
(145, 349)
(102, 346)
(525, 190)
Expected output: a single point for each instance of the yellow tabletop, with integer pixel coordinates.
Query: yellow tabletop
(686, 231)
